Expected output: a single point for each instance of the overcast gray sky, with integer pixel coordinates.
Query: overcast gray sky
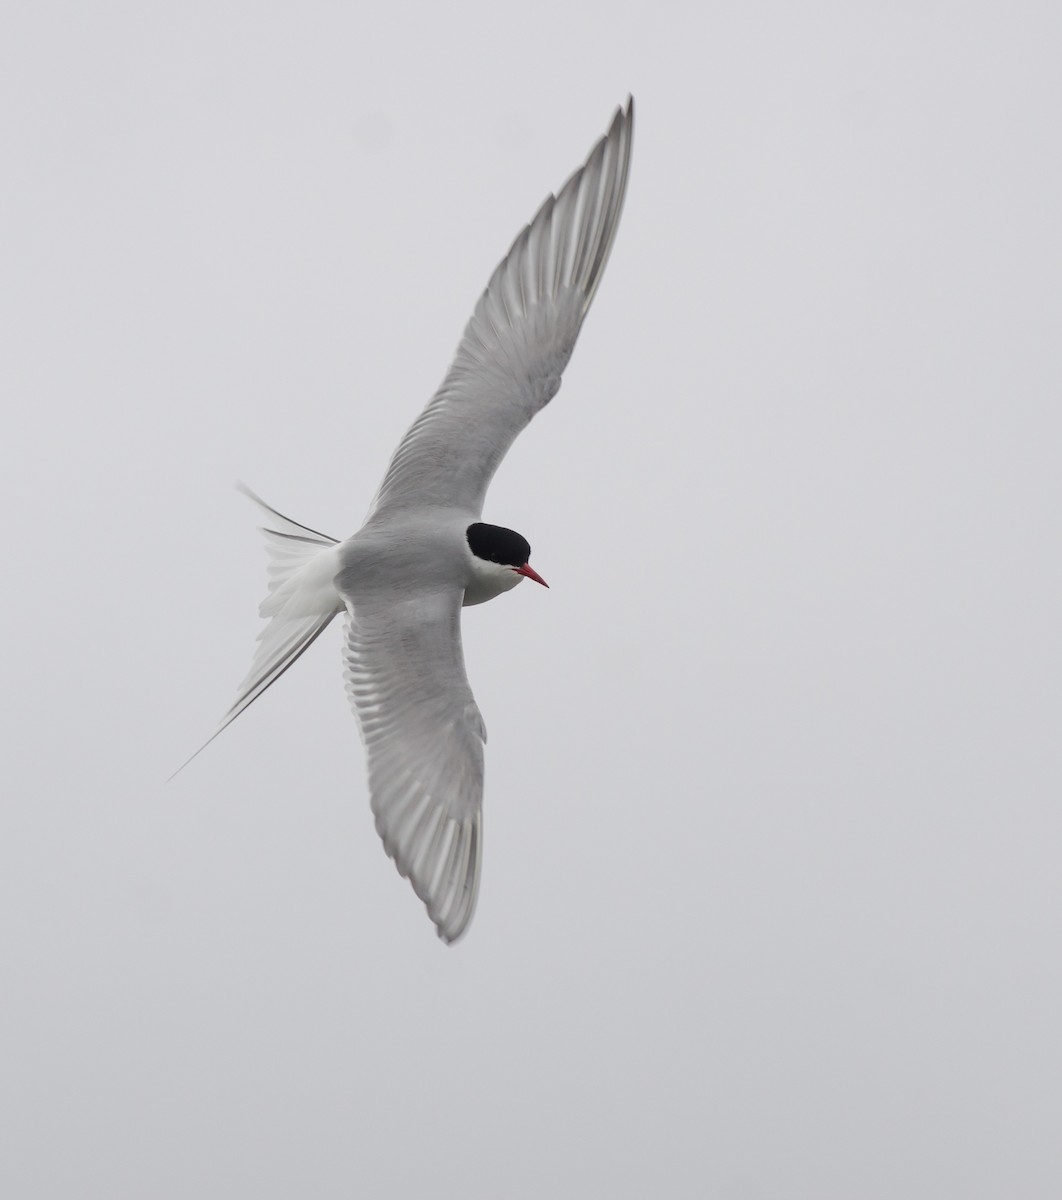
(770, 904)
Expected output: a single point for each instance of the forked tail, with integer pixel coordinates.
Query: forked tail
(302, 600)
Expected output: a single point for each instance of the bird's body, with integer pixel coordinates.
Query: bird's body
(424, 551)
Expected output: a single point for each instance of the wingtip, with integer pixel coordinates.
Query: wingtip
(447, 937)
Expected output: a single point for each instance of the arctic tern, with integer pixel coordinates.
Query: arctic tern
(424, 551)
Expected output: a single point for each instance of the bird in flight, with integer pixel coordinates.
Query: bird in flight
(424, 552)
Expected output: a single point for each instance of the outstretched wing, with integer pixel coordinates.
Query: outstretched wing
(519, 340)
(424, 739)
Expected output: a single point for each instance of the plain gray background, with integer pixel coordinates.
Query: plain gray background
(771, 902)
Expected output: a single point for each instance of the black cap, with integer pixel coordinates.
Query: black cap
(495, 544)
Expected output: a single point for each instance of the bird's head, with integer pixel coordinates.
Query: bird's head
(499, 561)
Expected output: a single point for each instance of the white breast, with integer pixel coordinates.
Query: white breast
(488, 580)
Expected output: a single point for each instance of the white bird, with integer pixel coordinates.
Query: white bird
(423, 552)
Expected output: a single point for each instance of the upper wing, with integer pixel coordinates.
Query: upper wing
(424, 740)
(519, 340)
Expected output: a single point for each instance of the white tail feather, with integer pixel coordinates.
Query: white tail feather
(302, 601)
